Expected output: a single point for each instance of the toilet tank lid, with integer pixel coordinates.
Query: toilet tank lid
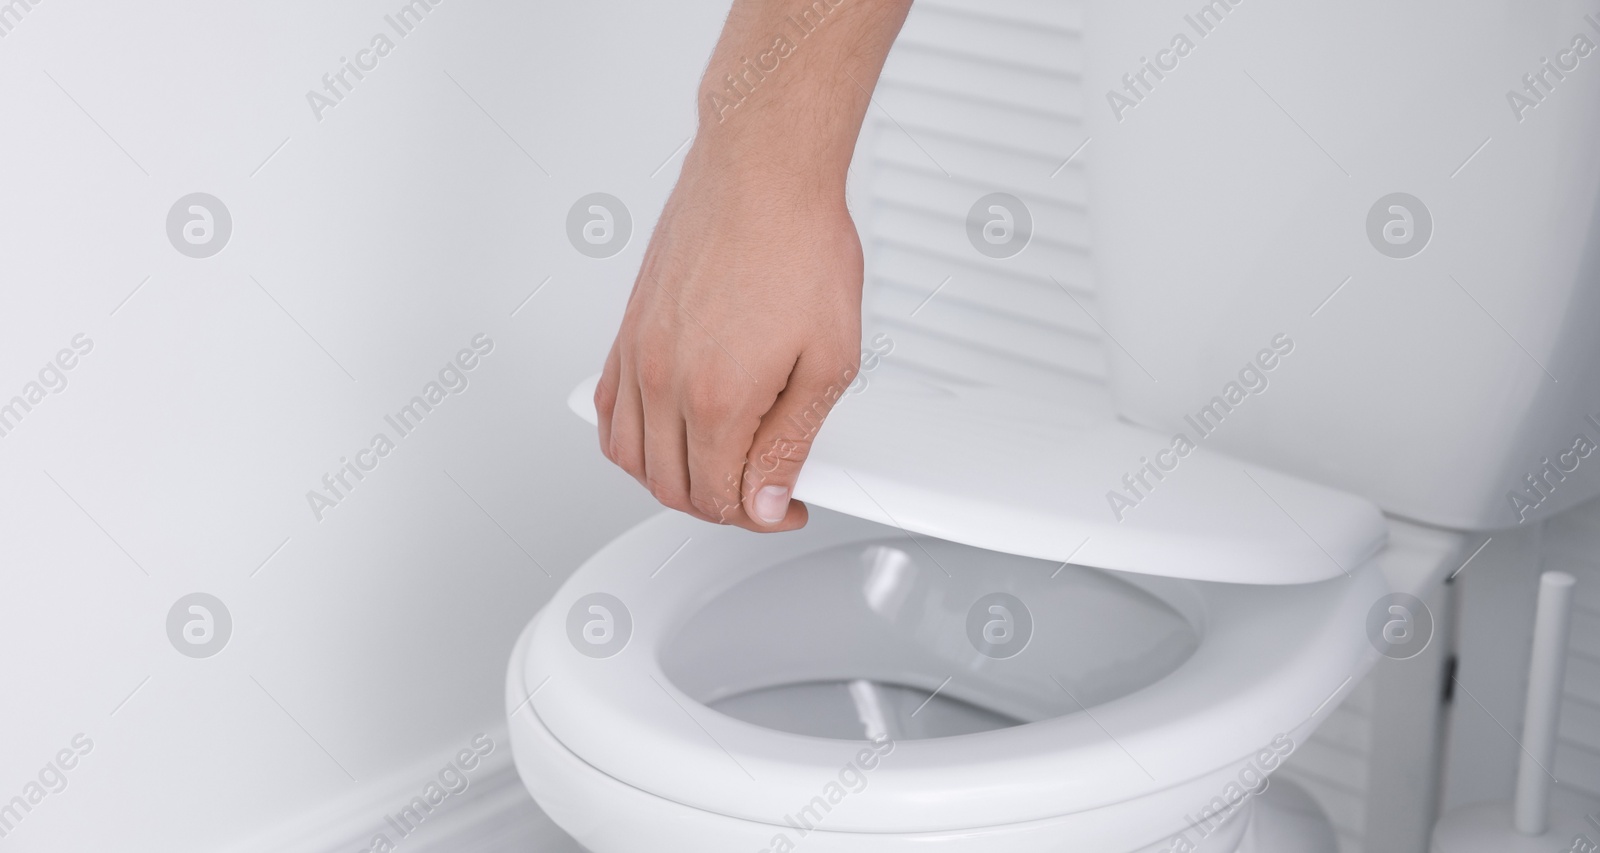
(1056, 476)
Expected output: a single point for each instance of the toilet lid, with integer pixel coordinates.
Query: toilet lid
(1057, 476)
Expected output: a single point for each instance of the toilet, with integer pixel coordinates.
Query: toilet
(1028, 621)
(976, 655)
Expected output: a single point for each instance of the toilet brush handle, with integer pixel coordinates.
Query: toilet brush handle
(1541, 715)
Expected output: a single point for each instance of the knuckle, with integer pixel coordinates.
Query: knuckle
(777, 457)
(715, 507)
(605, 399)
(667, 495)
(617, 453)
(723, 497)
(709, 403)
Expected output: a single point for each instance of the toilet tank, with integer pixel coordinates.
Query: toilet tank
(1357, 241)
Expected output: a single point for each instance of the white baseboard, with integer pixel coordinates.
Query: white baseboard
(493, 814)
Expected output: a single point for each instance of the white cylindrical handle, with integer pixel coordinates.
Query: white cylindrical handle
(1542, 714)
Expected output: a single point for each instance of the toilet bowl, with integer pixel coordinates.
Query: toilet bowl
(979, 654)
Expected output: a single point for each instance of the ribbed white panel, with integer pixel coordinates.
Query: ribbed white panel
(1498, 601)
(1572, 544)
(980, 97)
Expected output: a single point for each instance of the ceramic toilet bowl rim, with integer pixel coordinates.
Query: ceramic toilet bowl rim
(1005, 772)
(908, 815)
(552, 772)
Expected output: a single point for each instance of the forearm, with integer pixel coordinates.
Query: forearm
(789, 84)
(746, 314)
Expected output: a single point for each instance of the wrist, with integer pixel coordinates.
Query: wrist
(771, 164)
(800, 130)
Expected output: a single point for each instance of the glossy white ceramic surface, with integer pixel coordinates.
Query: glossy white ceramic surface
(1231, 205)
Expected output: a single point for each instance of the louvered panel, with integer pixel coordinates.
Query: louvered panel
(938, 232)
(1031, 34)
(1578, 752)
(972, 363)
(921, 108)
(1018, 171)
(1577, 756)
(1046, 307)
(1338, 765)
(1058, 224)
(1018, 334)
(1349, 730)
(968, 157)
(906, 263)
(978, 98)
(1025, 88)
(1583, 666)
(1024, 294)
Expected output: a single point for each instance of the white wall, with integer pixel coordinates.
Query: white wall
(388, 234)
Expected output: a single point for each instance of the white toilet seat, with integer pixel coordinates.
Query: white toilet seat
(1271, 660)
(608, 816)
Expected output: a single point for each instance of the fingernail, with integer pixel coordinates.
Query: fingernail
(772, 504)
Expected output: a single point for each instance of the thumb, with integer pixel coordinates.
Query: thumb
(784, 438)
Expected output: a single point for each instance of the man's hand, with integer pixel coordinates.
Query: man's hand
(743, 329)
(744, 326)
